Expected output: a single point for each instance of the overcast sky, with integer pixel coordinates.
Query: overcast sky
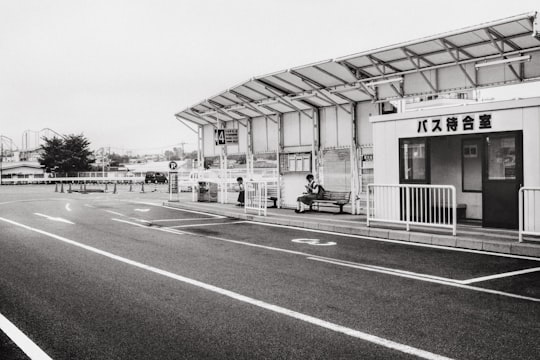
(118, 71)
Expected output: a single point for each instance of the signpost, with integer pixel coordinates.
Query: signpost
(174, 191)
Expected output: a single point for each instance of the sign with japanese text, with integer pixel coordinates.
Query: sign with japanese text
(450, 124)
(226, 136)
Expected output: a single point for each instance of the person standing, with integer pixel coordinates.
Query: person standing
(241, 192)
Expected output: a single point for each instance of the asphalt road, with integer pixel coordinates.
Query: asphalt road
(105, 276)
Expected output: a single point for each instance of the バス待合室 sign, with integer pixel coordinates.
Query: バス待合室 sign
(449, 124)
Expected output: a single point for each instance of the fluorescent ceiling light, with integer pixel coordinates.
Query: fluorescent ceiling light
(269, 102)
(503, 61)
(303, 96)
(385, 81)
(345, 89)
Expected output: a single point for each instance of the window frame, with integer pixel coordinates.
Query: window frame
(427, 160)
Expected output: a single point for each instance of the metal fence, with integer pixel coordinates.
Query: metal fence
(256, 195)
(424, 205)
(529, 211)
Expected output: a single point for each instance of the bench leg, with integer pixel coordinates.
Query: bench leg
(341, 209)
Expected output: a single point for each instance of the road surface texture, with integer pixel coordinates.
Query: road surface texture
(119, 276)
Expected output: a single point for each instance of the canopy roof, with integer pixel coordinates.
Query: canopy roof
(496, 53)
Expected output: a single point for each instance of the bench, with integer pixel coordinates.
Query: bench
(333, 198)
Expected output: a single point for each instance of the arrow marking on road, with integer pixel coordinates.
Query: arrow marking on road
(67, 207)
(55, 218)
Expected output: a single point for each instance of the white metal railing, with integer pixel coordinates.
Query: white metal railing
(255, 196)
(226, 179)
(411, 204)
(52, 180)
(529, 211)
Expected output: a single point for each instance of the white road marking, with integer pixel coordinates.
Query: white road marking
(115, 213)
(440, 247)
(68, 207)
(55, 218)
(315, 242)
(373, 268)
(502, 275)
(21, 340)
(120, 214)
(167, 230)
(242, 298)
(184, 210)
(384, 270)
(90, 206)
(199, 225)
(183, 219)
(430, 279)
(142, 210)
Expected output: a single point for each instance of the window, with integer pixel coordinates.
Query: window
(413, 161)
(501, 158)
(472, 165)
(299, 162)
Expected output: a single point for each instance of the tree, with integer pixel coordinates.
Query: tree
(68, 154)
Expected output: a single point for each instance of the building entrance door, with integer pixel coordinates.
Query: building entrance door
(502, 178)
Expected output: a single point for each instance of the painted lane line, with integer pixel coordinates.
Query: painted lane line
(173, 208)
(132, 218)
(183, 219)
(385, 270)
(68, 208)
(90, 206)
(426, 279)
(55, 218)
(373, 268)
(199, 225)
(242, 298)
(142, 210)
(501, 275)
(400, 242)
(115, 213)
(22, 341)
(167, 230)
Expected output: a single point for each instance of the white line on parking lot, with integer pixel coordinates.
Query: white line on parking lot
(205, 225)
(184, 210)
(183, 219)
(499, 276)
(21, 340)
(242, 298)
(55, 218)
(431, 279)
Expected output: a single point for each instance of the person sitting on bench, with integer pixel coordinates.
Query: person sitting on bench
(312, 193)
(241, 191)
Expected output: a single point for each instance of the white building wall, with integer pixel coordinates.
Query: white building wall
(364, 111)
(531, 146)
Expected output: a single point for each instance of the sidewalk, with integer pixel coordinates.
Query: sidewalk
(468, 236)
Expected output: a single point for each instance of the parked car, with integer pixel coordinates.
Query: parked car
(155, 177)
